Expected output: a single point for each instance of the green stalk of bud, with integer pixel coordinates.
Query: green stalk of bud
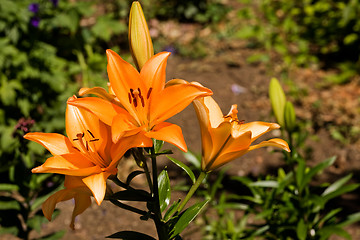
(140, 42)
(278, 99)
(289, 116)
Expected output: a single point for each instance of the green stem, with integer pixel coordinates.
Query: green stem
(138, 153)
(160, 226)
(127, 207)
(192, 190)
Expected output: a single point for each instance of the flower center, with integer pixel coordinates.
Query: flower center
(136, 98)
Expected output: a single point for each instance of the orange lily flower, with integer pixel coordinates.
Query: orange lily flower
(74, 188)
(87, 152)
(225, 138)
(142, 101)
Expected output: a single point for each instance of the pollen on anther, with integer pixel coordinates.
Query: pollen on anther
(129, 95)
(91, 133)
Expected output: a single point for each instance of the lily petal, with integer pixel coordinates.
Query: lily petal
(170, 133)
(97, 184)
(174, 99)
(153, 72)
(225, 158)
(275, 142)
(257, 129)
(82, 202)
(121, 124)
(48, 206)
(123, 77)
(68, 164)
(98, 91)
(56, 143)
(103, 109)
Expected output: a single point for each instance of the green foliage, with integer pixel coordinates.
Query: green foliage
(46, 55)
(306, 32)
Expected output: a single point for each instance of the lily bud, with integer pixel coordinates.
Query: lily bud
(278, 99)
(289, 116)
(141, 46)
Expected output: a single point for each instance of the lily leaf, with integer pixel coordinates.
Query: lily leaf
(184, 167)
(130, 235)
(164, 190)
(157, 145)
(172, 209)
(186, 217)
(301, 230)
(193, 158)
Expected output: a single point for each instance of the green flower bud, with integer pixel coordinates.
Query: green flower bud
(278, 99)
(289, 116)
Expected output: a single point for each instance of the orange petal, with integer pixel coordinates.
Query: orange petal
(173, 100)
(153, 72)
(73, 182)
(121, 124)
(82, 202)
(56, 143)
(103, 109)
(98, 91)
(48, 206)
(257, 129)
(226, 158)
(275, 142)
(123, 77)
(239, 143)
(124, 144)
(68, 164)
(170, 133)
(97, 184)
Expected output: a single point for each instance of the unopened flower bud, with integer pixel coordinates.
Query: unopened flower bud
(141, 46)
(278, 99)
(289, 116)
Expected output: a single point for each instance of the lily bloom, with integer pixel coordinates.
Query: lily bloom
(87, 152)
(74, 188)
(225, 138)
(141, 101)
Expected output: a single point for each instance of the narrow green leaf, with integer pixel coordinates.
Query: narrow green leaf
(132, 175)
(186, 217)
(266, 183)
(130, 235)
(8, 187)
(184, 167)
(54, 236)
(157, 145)
(301, 230)
(326, 232)
(6, 205)
(300, 172)
(289, 116)
(193, 158)
(336, 185)
(355, 217)
(313, 171)
(164, 190)
(342, 190)
(172, 209)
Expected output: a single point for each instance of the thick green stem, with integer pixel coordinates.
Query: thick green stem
(138, 153)
(160, 226)
(192, 190)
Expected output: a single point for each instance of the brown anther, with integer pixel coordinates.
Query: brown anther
(149, 92)
(94, 140)
(131, 92)
(139, 91)
(87, 146)
(91, 133)
(142, 101)
(135, 102)
(129, 95)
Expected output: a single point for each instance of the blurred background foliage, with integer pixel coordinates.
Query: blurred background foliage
(321, 33)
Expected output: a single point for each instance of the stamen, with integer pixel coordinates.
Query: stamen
(94, 140)
(87, 146)
(129, 95)
(135, 102)
(139, 91)
(149, 92)
(131, 91)
(142, 101)
(76, 147)
(91, 133)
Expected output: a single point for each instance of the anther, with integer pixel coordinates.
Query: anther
(129, 95)
(149, 92)
(91, 133)
(94, 140)
(135, 102)
(76, 147)
(87, 146)
(142, 101)
(131, 92)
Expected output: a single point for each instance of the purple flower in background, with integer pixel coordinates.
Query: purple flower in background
(170, 49)
(55, 2)
(35, 21)
(33, 7)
